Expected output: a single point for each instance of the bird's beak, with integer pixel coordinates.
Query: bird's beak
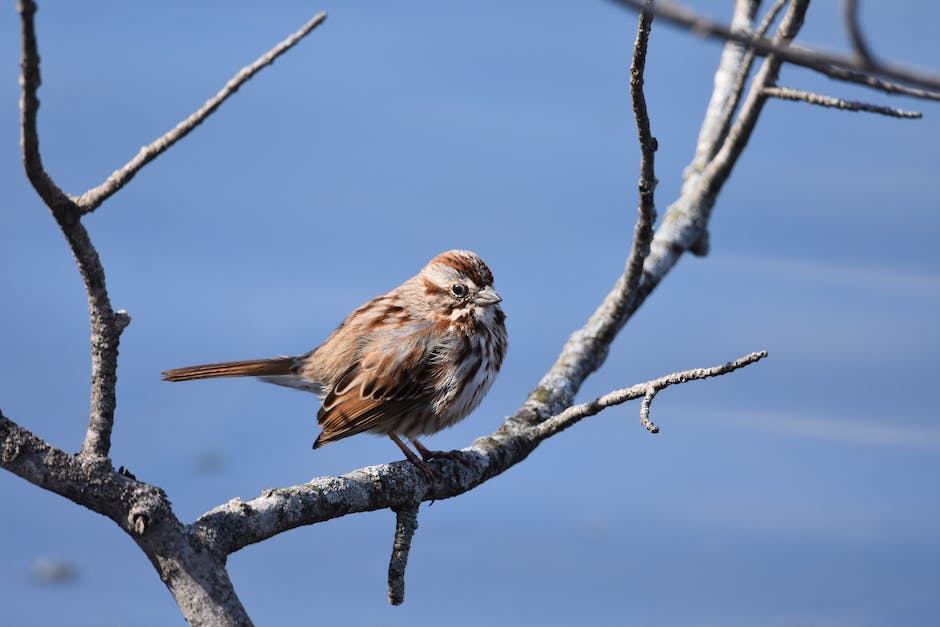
(487, 296)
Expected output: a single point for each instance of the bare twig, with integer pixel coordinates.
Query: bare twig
(861, 78)
(645, 410)
(643, 231)
(862, 51)
(831, 64)
(105, 327)
(61, 205)
(406, 522)
(785, 93)
(576, 413)
(769, 18)
(92, 199)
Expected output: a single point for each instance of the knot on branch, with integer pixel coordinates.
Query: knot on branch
(10, 451)
(647, 187)
(149, 506)
(121, 320)
(139, 520)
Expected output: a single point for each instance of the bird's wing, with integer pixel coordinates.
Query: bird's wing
(391, 380)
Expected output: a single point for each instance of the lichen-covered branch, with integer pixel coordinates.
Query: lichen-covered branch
(719, 169)
(195, 575)
(400, 485)
(645, 409)
(576, 413)
(684, 227)
(730, 80)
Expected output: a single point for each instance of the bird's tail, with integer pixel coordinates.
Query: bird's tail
(249, 368)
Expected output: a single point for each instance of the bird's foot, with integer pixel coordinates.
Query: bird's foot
(457, 456)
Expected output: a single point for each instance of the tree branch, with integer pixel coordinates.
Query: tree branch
(106, 326)
(58, 201)
(586, 349)
(92, 483)
(401, 485)
(832, 64)
(92, 199)
(195, 575)
(719, 169)
(730, 80)
(576, 413)
(643, 231)
(406, 523)
(796, 95)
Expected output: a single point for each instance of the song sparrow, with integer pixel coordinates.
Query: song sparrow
(410, 362)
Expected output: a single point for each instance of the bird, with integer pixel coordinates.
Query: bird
(408, 363)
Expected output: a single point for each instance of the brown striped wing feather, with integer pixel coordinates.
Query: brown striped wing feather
(374, 399)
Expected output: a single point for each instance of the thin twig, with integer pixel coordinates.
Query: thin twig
(58, 201)
(92, 199)
(785, 93)
(829, 63)
(106, 327)
(645, 410)
(861, 78)
(406, 522)
(862, 51)
(643, 231)
(768, 20)
(576, 413)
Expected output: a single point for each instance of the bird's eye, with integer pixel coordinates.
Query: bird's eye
(458, 290)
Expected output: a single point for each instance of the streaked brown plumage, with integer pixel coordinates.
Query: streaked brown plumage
(408, 363)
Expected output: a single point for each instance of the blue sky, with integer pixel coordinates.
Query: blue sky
(800, 491)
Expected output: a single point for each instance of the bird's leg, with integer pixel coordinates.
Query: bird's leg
(414, 459)
(426, 454)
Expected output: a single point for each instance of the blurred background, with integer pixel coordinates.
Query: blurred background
(798, 492)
